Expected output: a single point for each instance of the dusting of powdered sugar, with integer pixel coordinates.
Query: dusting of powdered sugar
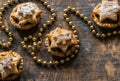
(6, 63)
(27, 8)
(112, 7)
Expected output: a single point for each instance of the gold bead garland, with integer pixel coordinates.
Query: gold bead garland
(36, 43)
(3, 43)
(45, 25)
(91, 26)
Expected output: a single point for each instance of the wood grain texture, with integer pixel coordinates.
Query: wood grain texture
(98, 60)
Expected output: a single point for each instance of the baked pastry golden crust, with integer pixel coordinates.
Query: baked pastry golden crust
(11, 65)
(61, 42)
(107, 14)
(25, 16)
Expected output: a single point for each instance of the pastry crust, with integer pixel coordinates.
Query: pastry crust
(61, 42)
(107, 14)
(11, 65)
(25, 16)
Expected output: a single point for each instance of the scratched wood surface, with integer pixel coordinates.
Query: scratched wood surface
(98, 60)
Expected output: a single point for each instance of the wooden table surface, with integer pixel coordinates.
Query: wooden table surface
(98, 60)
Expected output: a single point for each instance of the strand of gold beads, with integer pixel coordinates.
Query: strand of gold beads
(35, 44)
(3, 43)
(91, 26)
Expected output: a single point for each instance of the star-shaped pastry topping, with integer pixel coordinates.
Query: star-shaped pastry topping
(109, 10)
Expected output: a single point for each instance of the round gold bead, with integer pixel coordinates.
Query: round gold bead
(39, 43)
(30, 37)
(9, 43)
(25, 39)
(10, 39)
(3, 40)
(48, 6)
(0, 42)
(24, 46)
(77, 46)
(65, 10)
(3, 27)
(65, 15)
(109, 34)
(52, 10)
(72, 56)
(114, 32)
(45, 3)
(1, 23)
(73, 27)
(67, 59)
(53, 15)
(34, 39)
(33, 54)
(85, 18)
(91, 27)
(33, 48)
(77, 13)
(4, 45)
(23, 43)
(89, 22)
(73, 9)
(68, 19)
(44, 62)
(0, 18)
(119, 32)
(78, 41)
(62, 61)
(34, 44)
(44, 25)
(8, 2)
(52, 19)
(50, 62)
(103, 35)
(81, 15)
(29, 46)
(76, 51)
(48, 22)
(68, 7)
(56, 62)
(98, 34)
(2, 9)
(40, 34)
(10, 34)
(35, 58)
(7, 30)
(1, 13)
(39, 61)
(70, 23)
(5, 5)
(41, 29)
(93, 31)
(75, 32)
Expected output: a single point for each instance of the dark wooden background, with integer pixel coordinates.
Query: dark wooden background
(98, 60)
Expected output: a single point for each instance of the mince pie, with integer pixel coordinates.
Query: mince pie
(61, 42)
(25, 16)
(107, 14)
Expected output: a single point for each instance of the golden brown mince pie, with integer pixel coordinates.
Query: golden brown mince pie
(11, 65)
(25, 16)
(61, 42)
(107, 14)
